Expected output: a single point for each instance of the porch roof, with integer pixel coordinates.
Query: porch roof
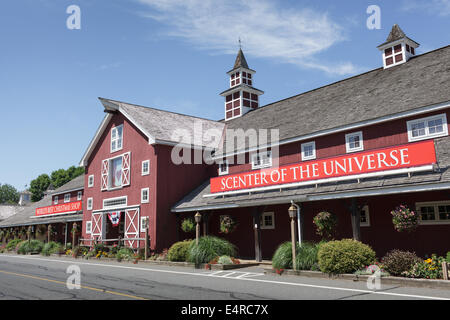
(388, 184)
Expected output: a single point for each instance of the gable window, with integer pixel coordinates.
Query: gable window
(115, 173)
(434, 212)
(55, 200)
(79, 195)
(91, 181)
(145, 195)
(364, 216)
(233, 105)
(425, 128)
(67, 197)
(89, 203)
(308, 151)
(262, 160)
(354, 141)
(145, 167)
(268, 220)
(116, 138)
(223, 167)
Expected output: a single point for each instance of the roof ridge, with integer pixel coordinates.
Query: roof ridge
(152, 108)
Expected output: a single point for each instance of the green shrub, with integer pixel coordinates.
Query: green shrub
(124, 254)
(225, 260)
(448, 257)
(51, 248)
(208, 248)
(344, 256)
(306, 256)
(396, 261)
(13, 244)
(179, 251)
(34, 246)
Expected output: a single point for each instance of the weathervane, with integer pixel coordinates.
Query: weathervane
(240, 45)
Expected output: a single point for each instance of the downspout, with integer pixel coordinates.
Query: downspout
(298, 222)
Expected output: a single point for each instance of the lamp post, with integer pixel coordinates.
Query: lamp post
(49, 233)
(198, 218)
(74, 231)
(292, 213)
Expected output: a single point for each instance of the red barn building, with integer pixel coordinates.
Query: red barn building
(357, 148)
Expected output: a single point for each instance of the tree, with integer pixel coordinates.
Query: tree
(38, 186)
(57, 178)
(8, 194)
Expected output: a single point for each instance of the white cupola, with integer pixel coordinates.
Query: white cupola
(398, 48)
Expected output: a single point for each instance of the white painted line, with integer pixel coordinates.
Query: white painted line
(296, 284)
(227, 274)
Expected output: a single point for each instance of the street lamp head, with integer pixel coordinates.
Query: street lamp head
(198, 217)
(292, 212)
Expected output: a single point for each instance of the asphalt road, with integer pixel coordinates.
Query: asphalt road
(37, 277)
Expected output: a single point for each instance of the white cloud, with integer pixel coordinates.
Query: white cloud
(292, 36)
(436, 7)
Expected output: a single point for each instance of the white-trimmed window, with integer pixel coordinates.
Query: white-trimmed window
(115, 173)
(434, 212)
(145, 167)
(426, 128)
(308, 151)
(67, 197)
(268, 220)
(145, 195)
(262, 160)
(88, 227)
(91, 181)
(55, 200)
(354, 141)
(144, 221)
(223, 167)
(115, 202)
(79, 195)
(89, 203)
(117, 138)
(364, 217)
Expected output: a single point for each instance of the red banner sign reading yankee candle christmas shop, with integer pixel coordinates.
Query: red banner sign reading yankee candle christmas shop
(404, 156)
(59, 208)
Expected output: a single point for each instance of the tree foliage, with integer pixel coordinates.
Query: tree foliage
(57, 178)
(8, 194)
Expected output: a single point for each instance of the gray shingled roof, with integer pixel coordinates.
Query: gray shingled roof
(27, 216)
(162, 124)
(420, 82)
(74, 184)
(395, 34)
(196, 200)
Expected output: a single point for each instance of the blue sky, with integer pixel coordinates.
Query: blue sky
(173, 55)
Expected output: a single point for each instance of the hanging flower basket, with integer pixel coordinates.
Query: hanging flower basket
(188, 225)
(227, 224)
(325, 223)
(404, 219)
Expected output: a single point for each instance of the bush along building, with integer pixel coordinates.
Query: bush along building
(52, 218)
(358, 149)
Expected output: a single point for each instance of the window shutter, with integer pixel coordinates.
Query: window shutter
(105, 169)
(126, 168)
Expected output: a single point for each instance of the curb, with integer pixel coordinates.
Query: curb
(169, 263)
(406, 282)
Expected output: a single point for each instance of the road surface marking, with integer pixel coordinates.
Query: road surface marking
(242, 279)
(64, 283)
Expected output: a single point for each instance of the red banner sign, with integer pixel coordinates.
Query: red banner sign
(59, 208)
(404, 156)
